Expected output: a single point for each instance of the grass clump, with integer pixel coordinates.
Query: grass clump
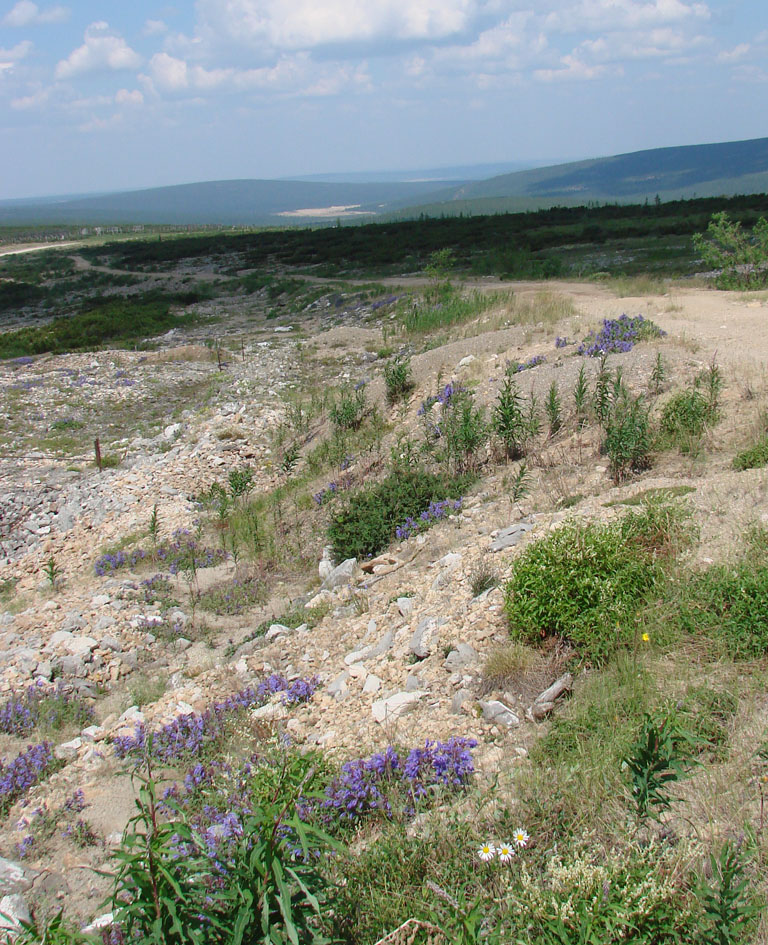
(754, 457)
(370, 519)
(507, 663)
(585, 583)
(398, 380)
(729, 606)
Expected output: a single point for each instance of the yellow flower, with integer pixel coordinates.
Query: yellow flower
(646, 638)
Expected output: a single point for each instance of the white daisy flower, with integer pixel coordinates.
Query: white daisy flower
(520, 838)
(505, 852)
(487, 852)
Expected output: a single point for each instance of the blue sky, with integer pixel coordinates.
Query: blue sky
(109, 94)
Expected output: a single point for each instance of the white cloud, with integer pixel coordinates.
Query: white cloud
(155, 27)
(26, 13)
(304, 24)
(101, 50)
(17, 52)
(651, 44)
(570, 69)
(606, 15)
(9, 57)
(126, 97)
(735, 54)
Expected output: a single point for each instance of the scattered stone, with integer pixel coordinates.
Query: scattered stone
(14, 914)
(68, 751)
(387, 710)
(511, 536)
(497, 712)
(13, 877)
(275, 630)
(372, 684)
(459, 699)
(342, 574)
(405, 606)
(464, 655)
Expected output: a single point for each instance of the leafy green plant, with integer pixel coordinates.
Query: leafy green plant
(348, 411)
(585, 583)
(368, 521)
(240, 481)
(726, 900)
(753, 457)
(398, 379)
(521, 483)
(740, 257)
(553, 409)
(464, 431)
(153, 898)
(580, 396)
(511, 422)
(153, 529)
(52, 572)
(654, 763)
(627, 437)
(684, 418)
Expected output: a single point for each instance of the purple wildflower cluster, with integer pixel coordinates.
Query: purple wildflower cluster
(380, 303)
(293, 691)
(515, 367)
(40, 703)
(333, 489)
(372, 785)
(437, 510)
(562, 342)
(187, 735)
(19, 775)
(113, 560)
(444, 397)
(619, 335)
(42, 823)
(182, 552)
(155, 588)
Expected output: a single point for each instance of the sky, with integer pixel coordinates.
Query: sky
(119, 94)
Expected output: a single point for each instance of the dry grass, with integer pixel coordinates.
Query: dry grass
(182, 353)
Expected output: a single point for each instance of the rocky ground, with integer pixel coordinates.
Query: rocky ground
(398, 644)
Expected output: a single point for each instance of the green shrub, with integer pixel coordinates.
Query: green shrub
(754, 457)
(730, 606)
(348, 411)
(585, 583)
(684, 418)
(398, 380)
(628, 437)
(368, 521)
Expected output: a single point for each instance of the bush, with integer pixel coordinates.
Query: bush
(398, 380)
(729, 605)
(685, 417)
(348, 412)
(369, 521)
(754, 457)
(628, 437)
(739, 257)
(585, 583)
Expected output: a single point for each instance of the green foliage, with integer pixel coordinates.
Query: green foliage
(585, 583)
(166, 890)
(553, 409)
(740, 257)
(726, 900)
(729, 605)
(684, 418)
(240, 481)
(464, 432)
(367, 522)
(398, 379)
(348, 411)
(521, 483)
(627, 436)
(52, 572)
(753, 457)
(514, 423)
(580, 395)
(442, 307)
(654, 763)
(110, 320)
(659, 374)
